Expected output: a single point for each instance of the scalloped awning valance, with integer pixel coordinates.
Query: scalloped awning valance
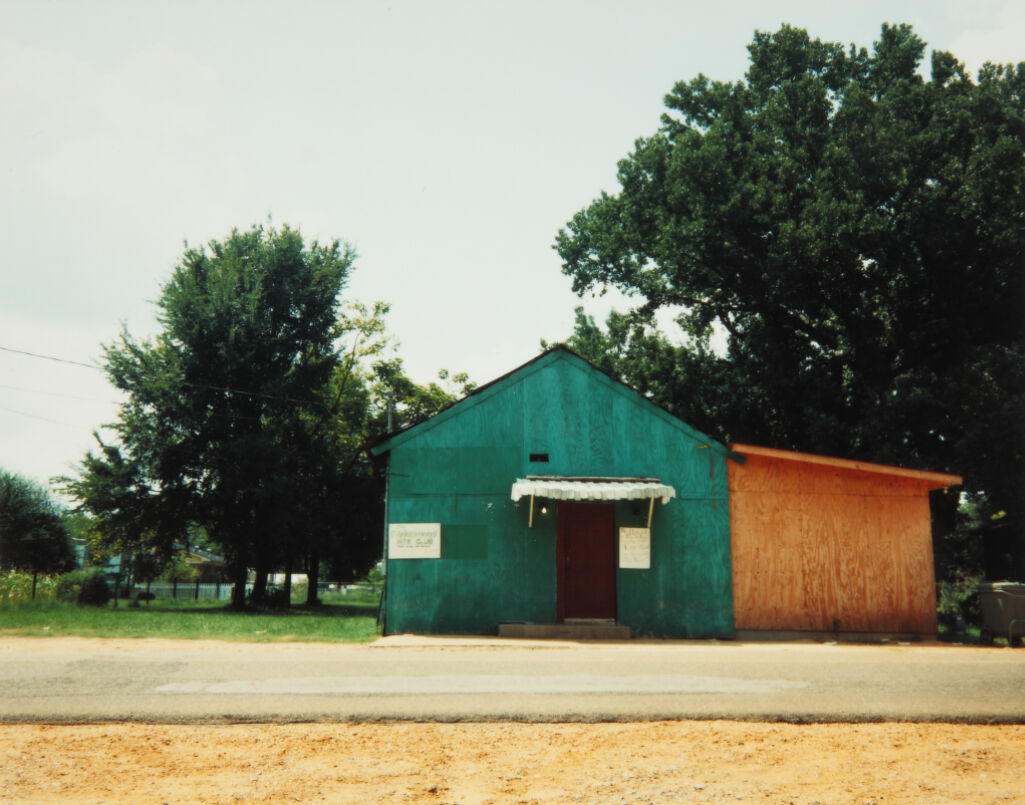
(561, 487)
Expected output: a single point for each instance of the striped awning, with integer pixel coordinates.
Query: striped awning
(559, 487)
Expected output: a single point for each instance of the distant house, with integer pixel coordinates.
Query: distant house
(208, 566)
(556, 500)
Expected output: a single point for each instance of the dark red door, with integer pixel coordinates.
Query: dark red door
(586, 560)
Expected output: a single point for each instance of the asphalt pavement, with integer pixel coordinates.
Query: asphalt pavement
(83, 680)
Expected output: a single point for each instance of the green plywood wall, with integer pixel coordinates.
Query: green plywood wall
(458, 468)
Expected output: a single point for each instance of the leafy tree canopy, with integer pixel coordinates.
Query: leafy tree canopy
(410, 402)
(33, 535)
(855, 233)
(240, 412)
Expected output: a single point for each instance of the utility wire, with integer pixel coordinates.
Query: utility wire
(60, 394)
(226, 389)
(51, 358)
(41, 418)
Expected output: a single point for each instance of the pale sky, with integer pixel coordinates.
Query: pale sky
(447, 141)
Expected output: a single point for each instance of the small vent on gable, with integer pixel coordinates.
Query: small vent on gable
(539, 458)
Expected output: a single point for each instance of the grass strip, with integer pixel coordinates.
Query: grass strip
(349, 622)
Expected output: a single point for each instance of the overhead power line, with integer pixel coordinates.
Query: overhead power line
(226, 389)
(60, 394)
(51, 358)
(41, 418)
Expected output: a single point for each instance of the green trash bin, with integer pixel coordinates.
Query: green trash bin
(1003, 610)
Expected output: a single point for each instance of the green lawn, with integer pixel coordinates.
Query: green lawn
(340, 619)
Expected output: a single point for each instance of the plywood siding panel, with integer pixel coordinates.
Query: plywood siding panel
(853, 556)
(789, 556)
(882, 566)
(815, 547)
(767, 582)
(744, 544)
(914, 565)
(819, 557)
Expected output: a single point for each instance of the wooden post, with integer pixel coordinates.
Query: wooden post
(651, 510)
(530, 521)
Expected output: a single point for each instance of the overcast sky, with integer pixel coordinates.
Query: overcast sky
(447, 141)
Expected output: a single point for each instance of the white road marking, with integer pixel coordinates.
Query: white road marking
(486, 683)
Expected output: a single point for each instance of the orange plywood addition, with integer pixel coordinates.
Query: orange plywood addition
(821, 544)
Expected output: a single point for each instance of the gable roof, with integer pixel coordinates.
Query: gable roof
(938, 479)
(500, 384)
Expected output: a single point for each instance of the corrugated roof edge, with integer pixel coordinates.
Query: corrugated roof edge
(943, 480)
(387, 441)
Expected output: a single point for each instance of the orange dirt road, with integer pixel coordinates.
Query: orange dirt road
(657, 762)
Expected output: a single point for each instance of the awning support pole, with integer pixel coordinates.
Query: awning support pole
(651, 509)
(530, 522)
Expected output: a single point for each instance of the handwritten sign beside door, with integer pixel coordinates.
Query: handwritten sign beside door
(635, 548)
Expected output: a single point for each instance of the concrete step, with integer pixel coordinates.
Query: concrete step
(565, 631)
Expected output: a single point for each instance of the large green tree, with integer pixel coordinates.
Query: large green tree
(238, 413)
(855, 233)
(33, 535)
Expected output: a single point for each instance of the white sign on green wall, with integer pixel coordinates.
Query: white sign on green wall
(635, 548)
(414, 541)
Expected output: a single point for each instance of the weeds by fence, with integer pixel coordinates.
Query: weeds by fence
(16, 587)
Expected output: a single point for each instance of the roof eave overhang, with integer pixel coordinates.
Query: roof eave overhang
(936, 480)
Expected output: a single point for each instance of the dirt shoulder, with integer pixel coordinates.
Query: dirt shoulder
(716, 761)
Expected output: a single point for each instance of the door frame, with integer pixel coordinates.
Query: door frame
(560, 556)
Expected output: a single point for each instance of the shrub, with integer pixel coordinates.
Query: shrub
(84, 586)
(69, 585)
(958, 604)
(95, 592)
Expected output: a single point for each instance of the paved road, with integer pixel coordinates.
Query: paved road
(74, 680)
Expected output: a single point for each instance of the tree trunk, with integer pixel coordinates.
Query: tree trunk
(312, 577)
(259, 597)
(288, 585)
(35, 578)
(238, 594)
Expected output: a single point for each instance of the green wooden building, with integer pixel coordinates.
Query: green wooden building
(557, 495)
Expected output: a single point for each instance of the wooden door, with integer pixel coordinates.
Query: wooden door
(586, 556)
